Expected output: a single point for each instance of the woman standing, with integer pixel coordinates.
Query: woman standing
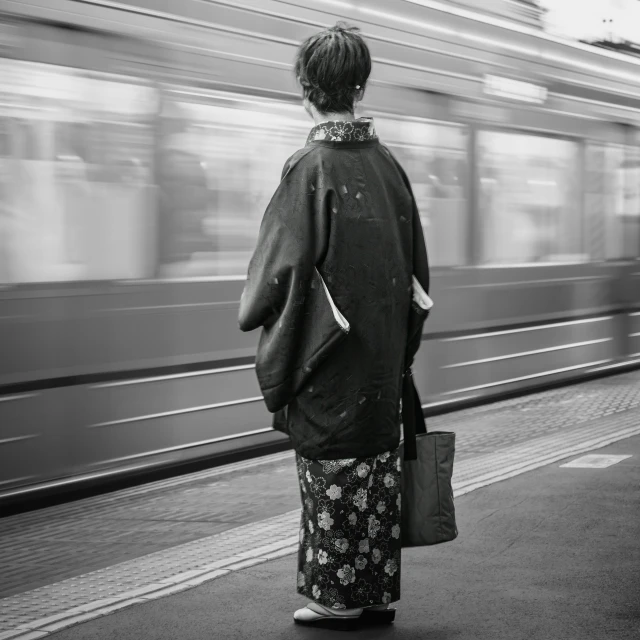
(343, 215)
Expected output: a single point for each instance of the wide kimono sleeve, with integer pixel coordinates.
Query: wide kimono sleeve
(417, 316)
(292, 241)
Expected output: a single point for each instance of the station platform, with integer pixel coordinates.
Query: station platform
(544, 550)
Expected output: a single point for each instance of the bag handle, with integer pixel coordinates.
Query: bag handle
(413, 421)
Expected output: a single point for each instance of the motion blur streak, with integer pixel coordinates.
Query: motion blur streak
(140, 142)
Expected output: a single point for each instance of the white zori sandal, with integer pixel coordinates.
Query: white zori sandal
(317, 615)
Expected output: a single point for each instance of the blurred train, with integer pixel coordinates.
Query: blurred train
(141, 140)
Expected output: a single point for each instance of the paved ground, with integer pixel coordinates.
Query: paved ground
(71, 540)
(550, 554)
(71, 563)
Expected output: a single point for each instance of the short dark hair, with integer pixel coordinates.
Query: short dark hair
(333, 67)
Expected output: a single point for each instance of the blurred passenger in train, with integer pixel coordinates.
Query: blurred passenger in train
(28, 195)
(183, 207)
(74, 190)
(343, 217)
(5, 195)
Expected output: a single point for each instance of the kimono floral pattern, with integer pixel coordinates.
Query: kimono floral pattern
(336, 131)
(349, 554)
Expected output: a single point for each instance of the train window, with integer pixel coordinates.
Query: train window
(434, 155)
(529, 200)
(628, 203)
(76, 199)
(219, 164)
(220, 158)
(5, 184)
(613, 201)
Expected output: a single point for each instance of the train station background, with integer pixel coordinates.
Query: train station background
(140, 143)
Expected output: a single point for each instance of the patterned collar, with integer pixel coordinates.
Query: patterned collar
(337, 131)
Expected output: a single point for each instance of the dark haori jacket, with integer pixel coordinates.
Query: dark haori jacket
(343, 217)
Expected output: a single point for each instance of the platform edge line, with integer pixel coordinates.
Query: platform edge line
(140, 595)
(590, 445)
(37, 629)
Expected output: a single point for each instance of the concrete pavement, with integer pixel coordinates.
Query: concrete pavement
(62, 542)
(547, 555)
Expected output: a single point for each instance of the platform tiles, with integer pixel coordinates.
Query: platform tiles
(40, 612)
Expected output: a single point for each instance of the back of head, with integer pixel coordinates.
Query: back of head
(333, 67)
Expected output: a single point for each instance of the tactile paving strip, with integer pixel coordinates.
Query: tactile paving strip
(65, 541)
(36, 613)
(187, 566)
(520, 419)
(56, 606)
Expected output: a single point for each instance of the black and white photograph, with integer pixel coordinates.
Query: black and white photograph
(320, 319)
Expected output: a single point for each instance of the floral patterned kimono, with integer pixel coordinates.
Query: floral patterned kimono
(350, 544)
(348, 208)
(349, 554)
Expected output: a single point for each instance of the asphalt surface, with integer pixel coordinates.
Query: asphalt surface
(552, 554)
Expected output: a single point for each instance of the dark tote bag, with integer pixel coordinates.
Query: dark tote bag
(428, 513)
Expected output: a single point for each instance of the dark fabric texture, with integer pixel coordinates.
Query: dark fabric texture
(350, 537)
(413, 421)
(345, 206)
(428, 512)
(318, 334)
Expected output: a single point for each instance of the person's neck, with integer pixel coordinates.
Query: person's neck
(319, 118)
